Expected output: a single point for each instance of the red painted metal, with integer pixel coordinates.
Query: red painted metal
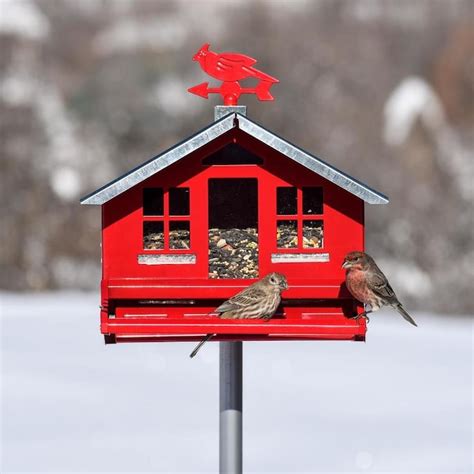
(231, 68)
(170, 302)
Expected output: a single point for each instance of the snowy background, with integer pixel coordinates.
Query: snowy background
(382, 90)
(401, 402)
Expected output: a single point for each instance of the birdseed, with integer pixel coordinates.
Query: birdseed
(233, 253)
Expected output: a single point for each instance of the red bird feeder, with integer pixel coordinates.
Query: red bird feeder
(201, 221)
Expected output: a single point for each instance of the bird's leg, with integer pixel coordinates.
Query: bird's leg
(362, 315)
(358, 316)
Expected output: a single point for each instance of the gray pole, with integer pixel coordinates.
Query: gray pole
(230, 410)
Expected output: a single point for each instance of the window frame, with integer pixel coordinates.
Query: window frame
(166, 218)
(300, 218)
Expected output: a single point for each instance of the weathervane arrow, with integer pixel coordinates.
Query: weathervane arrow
(203, 90)
(231, 68)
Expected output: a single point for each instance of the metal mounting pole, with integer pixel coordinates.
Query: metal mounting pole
(230, 379)
(230, 410)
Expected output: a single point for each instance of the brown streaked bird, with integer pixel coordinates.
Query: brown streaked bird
(370, 286)
(258, 301)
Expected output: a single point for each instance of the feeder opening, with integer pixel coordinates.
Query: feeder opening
(312, 200)
(232, 154)
(153, 202)
(153, 235)
(158, 205)
(286, 201)
(179, 201)
(233, 228)
(313, 234)
(287, 234)
(300, 222)
(180, 235)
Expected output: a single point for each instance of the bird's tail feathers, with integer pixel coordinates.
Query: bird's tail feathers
(203, 341)
(262, 76)
(402, 311)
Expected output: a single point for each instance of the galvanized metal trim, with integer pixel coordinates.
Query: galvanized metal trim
(223, 110)
(311, 162)
(300, 257)
(166, 259)
(160, 162)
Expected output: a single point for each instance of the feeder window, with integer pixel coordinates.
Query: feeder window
(303, 226)
(153, 202)
(153, 235)
(233, 228)
(160, 231)
(313, 234)
(286, 201)
(287, 234)
(180, 235)
(312, 200)
(179, 201)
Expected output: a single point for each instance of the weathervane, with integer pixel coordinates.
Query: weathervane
(231, 68)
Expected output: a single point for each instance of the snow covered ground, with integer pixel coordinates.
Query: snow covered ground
(402, 402)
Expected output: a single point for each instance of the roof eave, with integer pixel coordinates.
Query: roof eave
(159, 162)
(215, 130)
(312, 162)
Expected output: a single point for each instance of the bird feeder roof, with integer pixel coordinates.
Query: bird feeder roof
(215, 130)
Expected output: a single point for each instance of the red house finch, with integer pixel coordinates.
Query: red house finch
(259, 300)
(369, 285)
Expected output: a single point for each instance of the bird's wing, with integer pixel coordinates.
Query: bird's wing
(379, 284)
(228, 62)
(245, 298)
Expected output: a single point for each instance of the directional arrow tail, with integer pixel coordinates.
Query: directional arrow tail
(263, 90)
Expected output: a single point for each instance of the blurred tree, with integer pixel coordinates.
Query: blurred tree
(91, 89)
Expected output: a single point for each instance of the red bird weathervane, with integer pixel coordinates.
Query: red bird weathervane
(230, 68)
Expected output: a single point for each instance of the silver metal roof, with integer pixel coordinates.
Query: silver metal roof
(216, 129)
(312, 162)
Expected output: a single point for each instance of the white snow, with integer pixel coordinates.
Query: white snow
(18, 90)
(65, 150)
(407, 14)
(171, 95)
(407, 278)
(401, 402)
(412, 99)
(66, 183)
(130, 35)
(23, 18)
(74, 273)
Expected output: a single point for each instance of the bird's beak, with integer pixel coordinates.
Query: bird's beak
(345, 264)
